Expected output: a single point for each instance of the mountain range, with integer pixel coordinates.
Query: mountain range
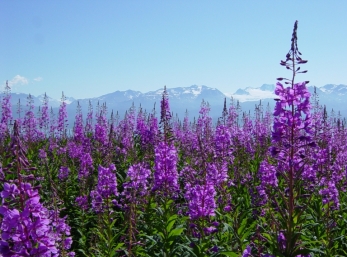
(189, 98)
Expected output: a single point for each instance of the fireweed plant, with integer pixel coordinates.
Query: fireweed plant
(263, 183)
(28, 228)
(289, 165)
(289, 175)
(6, 112)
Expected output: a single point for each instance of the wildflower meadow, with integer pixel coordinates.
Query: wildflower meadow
(261, 184)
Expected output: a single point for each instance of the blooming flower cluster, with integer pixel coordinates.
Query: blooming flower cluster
(165, 169)
(30, 231)
(105, 189)
(101, 127)
(136, 186)
(217, 173)
(298, 97)
(82, 202)
(250, 187)
(6, 111)
(30, 122)
(63, 173)
(268, 175)
(201, 200)
(330, 195)
(85, 166)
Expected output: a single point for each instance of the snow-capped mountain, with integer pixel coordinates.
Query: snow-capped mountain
(331, 95)
(331, 89)
(181, 99)
(187, 98)
(190, 98)
(266, 91)
(54, 102)
(193, 92)
(180, 93)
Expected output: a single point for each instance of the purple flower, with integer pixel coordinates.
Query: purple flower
(86, 165)
(268, 175)
(9, 191)
(285, 119)
(32, 231)
(201, 200)
(330, 195)
(63, 173)
(2, 175)
(44, 119)
(82, 202)
(30, 122)
(89, 122)
(6, 110)
(217, 173)
(204, 124)
(281, 239)
(42, 154)
(210, 230)
(61, 230)
(165, 169)
(227, 208)
(62, 117)
(136, 187)
(223, 142)
(214, 249)
(125, 130)
(247, 252)
(262, 195)
(61, 150)
(101, 127)
(107, 181)
(165, 114)
(105, 189)
(74, 150)
(78, 128)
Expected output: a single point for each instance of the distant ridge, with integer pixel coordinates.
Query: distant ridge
(189, 99)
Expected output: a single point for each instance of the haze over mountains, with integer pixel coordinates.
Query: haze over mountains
(188, 98)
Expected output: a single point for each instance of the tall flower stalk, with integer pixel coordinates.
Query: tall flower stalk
(165, 162)
(30, 121)
(289, 162)
(44, 119)
(62, 118)
(102, 203)
(6, 111)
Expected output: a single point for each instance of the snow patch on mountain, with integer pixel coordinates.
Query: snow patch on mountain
(334, 89)
(266, 91)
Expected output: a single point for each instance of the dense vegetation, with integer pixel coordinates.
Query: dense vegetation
(262, 184)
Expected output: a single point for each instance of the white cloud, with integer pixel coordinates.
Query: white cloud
(18, 80)
(38, 79)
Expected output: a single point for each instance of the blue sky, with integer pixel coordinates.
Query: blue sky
(91, 48)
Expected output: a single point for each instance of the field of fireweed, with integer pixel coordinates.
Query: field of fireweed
(272, 183)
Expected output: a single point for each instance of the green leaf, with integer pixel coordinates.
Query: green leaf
(188, 249)
(176, 232)
(232, 254)
(242, 226)
(119, 246)
(82, 251)
(302, 251)
(171, 222)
